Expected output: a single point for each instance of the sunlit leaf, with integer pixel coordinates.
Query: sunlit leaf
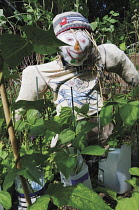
(106, 115)
(93, 150)
(94, 25)
(123, 46)
(65, 114)
(5, 200)
(134, 182)
(133, 109)
(40, 204)
(134, 171)
(66, 136)
(32, 115)
(129, 203)
(78, 196)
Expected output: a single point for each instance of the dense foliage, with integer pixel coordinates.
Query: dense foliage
(112, 21)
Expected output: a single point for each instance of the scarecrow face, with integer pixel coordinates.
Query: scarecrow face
(79, 49)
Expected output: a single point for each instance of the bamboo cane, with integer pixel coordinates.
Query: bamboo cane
(11, 132)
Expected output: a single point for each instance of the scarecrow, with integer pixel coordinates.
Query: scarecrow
(78, 67)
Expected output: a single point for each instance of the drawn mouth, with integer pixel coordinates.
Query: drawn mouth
(81, 54)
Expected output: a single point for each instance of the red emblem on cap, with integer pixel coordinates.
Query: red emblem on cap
(63, 22)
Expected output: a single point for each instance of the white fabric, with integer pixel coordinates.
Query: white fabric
(83, 82)
(69, 53)
(116, 61)
(60, 81)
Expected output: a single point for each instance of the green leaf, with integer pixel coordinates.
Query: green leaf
(44, 42)
(114, 13)
(65, 163)
(108, 191)
(31, 173)
(94, 25)
(123, 46)
(52, 126)
(40, 204)
(3, 154)
(84, 126)
(78, 196)
(93, 150)
(133, 109)
(48, 136)
(65, 114)
(80, 141)
(1, 122)
(40, 105)
(35, 159)
(14, 49)
(29, 170)
(9, 179)
(120, 98)
(134, 182)
(106, 115)
(5, 200)
(129, 203)
(134, 171)
(32, 114)
(113, 20)
(66, 136)
(38, 128)
(135, 92)
(20, 125)
(83, 110)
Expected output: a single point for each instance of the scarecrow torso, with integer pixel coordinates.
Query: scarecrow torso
(74, 87)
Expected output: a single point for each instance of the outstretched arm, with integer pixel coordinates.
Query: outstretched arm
(116, 61)
(32, 84)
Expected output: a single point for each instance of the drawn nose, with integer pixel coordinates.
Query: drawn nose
(77, 46)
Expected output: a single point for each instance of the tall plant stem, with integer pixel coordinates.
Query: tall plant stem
(12, 136)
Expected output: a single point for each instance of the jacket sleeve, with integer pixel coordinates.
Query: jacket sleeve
(116, 61)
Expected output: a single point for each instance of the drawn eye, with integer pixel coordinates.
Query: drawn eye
(69, 39)
(83, 41)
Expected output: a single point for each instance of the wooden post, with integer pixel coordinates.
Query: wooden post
(11, 132)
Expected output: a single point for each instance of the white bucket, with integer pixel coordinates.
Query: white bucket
(114, 170)
(81, 177)
(33, 196)
(35, 193)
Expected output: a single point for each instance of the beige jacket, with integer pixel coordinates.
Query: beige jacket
(83, 81)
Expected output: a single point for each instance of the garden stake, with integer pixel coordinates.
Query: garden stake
(98, 122)
(37, 89)
(12, 133)
(133, 85)
(73, 108)
(73, 116)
